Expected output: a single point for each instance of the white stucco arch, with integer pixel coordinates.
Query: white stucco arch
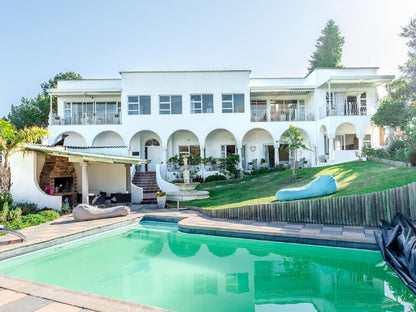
(73, 139)
(182, 138)
(258, 144)
(108, 138)
(218, 138)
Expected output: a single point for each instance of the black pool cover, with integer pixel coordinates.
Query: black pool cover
(397, 242)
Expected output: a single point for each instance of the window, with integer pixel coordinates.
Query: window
(87, 113)
(170, 104)
(287, 110)
(258, 110)
(139, 105)
(233, 103)
(202, 103)
(363, 104)
(193, 150)
(227, 149)
(367, 141)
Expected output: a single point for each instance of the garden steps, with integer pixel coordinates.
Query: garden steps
(147, 181)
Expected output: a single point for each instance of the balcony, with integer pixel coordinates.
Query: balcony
(107, 119)
(279, 111)
(345, 109)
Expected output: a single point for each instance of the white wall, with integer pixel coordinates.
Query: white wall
(109, 178)
(25, 187)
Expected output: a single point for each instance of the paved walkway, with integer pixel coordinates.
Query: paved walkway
(20, 295)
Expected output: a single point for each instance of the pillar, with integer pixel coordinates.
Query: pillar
(50, 109)
(240, 156)
(276, 154)
(331, 148)
(128, 177)
(360, 144)
(84, 181)
(165, 155)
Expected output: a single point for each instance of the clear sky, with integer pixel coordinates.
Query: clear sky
(99, 38)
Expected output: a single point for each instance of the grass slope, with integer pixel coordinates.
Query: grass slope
(353, 178)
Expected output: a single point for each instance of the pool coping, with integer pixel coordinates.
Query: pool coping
(75, 298)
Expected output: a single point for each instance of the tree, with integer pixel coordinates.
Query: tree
(328, 48)
(399, 107)
(292, 137)
(35, 111)
(12, 141)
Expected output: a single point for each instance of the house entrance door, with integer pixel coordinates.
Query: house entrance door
(152, 153)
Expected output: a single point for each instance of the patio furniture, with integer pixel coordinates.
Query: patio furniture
(85, 212)
(117, 198)
(323, 185)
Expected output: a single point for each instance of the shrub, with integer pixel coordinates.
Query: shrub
(6, 197)
(28, 208)
(197, 178)
(32, 219)
(4, 212)
(411, 157)
(14, 213)
(49, 214)
(215, 177)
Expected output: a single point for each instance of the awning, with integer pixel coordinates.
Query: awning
(280, 90)
(357, 81)
(61, 151)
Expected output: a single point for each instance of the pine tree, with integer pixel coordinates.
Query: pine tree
(328, 48)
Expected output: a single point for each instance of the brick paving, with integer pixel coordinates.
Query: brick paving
(20, 295)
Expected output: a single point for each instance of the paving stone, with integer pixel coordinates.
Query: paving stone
(331, 232)
(56, 306)
(25, 304)
(353, 230)
(7, 296)
(332, 228)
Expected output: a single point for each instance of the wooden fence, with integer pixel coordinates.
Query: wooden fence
(359, 210)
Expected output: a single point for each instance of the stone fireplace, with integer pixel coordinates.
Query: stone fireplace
(59, 174)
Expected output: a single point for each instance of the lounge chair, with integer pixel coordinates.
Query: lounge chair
(84, 212)
(323, 185)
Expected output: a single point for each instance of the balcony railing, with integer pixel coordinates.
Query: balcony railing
(87, 120)
(346, 109)
(284, 115)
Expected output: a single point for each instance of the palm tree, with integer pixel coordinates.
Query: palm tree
(293, 139)
(12, 141)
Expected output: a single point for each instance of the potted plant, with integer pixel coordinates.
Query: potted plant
(161, 199)
(250, 165)
(263, 163)
(117, 118)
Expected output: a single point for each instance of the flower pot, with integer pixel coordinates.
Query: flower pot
(161, 201)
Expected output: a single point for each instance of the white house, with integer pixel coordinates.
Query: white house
(155, 115)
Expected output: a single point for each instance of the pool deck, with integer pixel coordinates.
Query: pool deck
(21, 295)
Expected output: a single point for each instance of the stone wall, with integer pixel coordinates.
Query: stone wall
(57, 167)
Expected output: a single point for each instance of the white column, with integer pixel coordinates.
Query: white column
(84, 182)
(165, 155)
(50, 109)
(331, 149)
(240, 154)
(128, 178)
(360, 144)
(268, 109)
(276, 154)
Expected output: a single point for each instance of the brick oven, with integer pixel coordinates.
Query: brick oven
(59, 174)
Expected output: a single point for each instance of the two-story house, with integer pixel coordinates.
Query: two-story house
(155, 115)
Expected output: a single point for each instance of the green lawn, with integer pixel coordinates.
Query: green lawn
(353, 178)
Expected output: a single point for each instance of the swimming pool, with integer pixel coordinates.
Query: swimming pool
(155, 264)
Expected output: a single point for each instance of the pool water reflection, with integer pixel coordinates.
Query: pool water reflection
(157, 265)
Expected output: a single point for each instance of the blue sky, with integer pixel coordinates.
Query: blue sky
(98, 38)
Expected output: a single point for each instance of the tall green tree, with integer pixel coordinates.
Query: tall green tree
(399, 107)
(328, 51)
(35, 111)
(12, 141)
(293, 141)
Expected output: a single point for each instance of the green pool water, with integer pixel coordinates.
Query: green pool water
(155, 264)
